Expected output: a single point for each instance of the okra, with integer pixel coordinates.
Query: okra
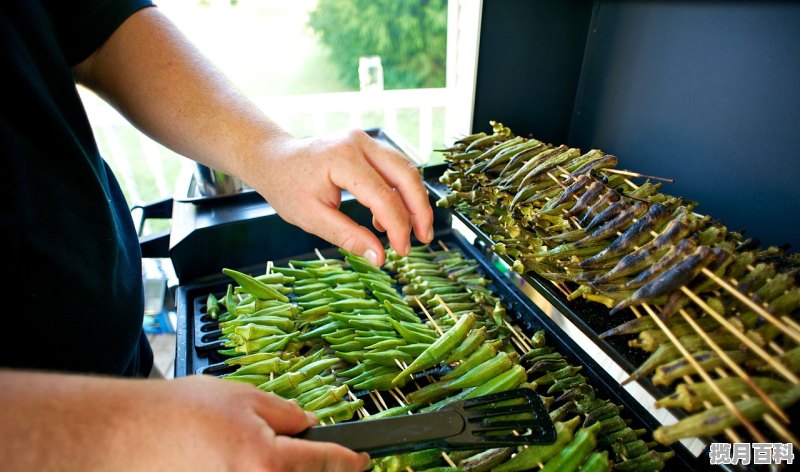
(529, 457)
(395, 411)
(484, 461)
(379, 382)
(317, 367)
(264, 367)
(310, 384)
(341, 411)
(255, 287)
(475, 338)
(212, 306)
(252, 379)
(651, 461)
(573, 455)
(596, 462)
(437, 351)
(508, 380)
(485, 352)
(283, 383)
(329, 397)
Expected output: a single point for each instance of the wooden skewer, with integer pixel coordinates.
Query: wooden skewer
(780, 368)
(444, 246)
(448, 460)
(637, 174)
(729, 432)
(403, 366)
(517, 335)
(769, 419)
(401, 394)
(446, 308)
(396, 398)
(380, 399)
(269, 267)
(704, 375)
(428, 315)
(776, 348)
(753, 305)
(734, 366)
(319, 254)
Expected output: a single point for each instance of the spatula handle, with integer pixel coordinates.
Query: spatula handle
(390, 435)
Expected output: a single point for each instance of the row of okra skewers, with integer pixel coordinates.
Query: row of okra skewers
(350, 342)
(572, 218)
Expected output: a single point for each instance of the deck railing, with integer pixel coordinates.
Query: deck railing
(420, 118)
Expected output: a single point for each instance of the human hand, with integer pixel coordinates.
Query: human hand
(205, 423)
(302, 179)
(74, 422)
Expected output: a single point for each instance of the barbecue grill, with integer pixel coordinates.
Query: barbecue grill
(569, 50)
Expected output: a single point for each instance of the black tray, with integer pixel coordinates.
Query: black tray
(196, 338)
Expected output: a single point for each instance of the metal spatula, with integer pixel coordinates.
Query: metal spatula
(482, 422)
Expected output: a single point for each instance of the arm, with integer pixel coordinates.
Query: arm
(70, 422)
(160, 82)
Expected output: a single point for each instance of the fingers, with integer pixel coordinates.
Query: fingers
(308, 456)
(337, 228)
(401, 174)
(387, 207)
(283, 416)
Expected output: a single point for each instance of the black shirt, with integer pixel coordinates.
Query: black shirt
(72, 291)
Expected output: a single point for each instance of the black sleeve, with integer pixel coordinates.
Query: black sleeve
(82, 26)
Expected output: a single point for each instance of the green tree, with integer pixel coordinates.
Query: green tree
(410, 37)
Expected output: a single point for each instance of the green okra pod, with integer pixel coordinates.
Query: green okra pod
(329, 397)
(309, 384)
(212, 306)
(341, 411)
(475, 338)
(508, 380)
(573, 455)
(252, 379)
(486, 351)
(528, 458)
(596, 462)
(283, 383)
(651, 461)
(255, 287)
(441, 347)
(264, 367)
(395, 411)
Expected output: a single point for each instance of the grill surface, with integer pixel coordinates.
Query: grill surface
(198, 336)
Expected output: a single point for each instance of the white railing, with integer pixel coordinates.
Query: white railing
(140, 164)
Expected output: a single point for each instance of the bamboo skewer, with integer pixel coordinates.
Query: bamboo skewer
(780, 368)
(730, 433)
(428, 315)
(769, 419)
(446, 308)
(790, 328)
(517, 336)
(637, 174)
(734, 366)
(752, 305)
(704, 375)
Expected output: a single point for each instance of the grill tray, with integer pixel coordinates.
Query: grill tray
(197, 336)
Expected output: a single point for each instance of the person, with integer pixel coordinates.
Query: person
(74, 302)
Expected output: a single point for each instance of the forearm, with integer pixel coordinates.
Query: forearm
(155, 77)
(66, 422)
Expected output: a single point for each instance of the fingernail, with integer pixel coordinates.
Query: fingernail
(371, 256)
(312, 417)
(366, 458)
(430, 234)
(408, 248)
